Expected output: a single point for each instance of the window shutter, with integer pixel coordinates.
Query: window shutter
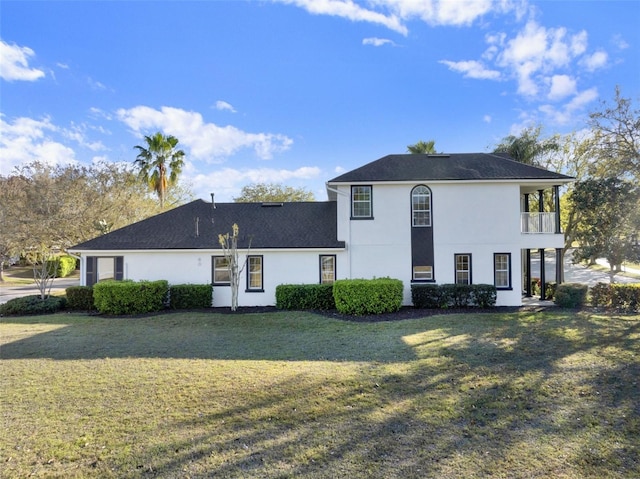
(91, 270)
(119, 267)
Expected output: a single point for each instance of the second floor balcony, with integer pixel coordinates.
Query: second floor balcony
(538, 223)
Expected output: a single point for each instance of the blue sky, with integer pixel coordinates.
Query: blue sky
(299, 91)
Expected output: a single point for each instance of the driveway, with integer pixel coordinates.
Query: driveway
(10, 292)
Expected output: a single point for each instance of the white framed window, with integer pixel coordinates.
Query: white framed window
(421, 206)
(423, 273)
(327, 268)
(502, 270)
(361, 204)
(254, 273)
(463, 268)
(220, 273)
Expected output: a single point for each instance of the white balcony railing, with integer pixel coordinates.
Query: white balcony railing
(536, 222)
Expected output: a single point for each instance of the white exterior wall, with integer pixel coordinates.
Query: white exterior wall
(470, 218)
(183, 267)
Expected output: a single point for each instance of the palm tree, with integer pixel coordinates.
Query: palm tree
(529, 147)
(159, 163)
(423, 147)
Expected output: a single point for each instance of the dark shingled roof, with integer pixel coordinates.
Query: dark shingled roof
(275, 225)
(458, 166)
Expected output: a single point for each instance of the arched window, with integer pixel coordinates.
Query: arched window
(421, 206)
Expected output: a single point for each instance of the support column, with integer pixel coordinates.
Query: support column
(527, 273)
(559, 266)
(556, 198)
(543, 281)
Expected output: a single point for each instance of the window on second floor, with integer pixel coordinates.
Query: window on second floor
(421, 206)
(361, 205)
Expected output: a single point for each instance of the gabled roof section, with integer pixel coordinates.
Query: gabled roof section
(197, 225)
(451, 167)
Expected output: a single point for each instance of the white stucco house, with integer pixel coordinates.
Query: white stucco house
(458, 218)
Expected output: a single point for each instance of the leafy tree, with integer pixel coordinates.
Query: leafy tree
(272, 192)
(159, 163)
(616, 134)
(528, 147)
(423, 148)
(607, 211)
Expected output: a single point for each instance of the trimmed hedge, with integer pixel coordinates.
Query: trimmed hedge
(571, 295)
(367, 296)
(434, 296)
(80, 298)
(61, 266)
(33, 304)
(128, 297)
(190, 296)
(621, 297)
(305, 296)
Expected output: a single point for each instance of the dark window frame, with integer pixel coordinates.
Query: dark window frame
(213, 271)
(429, 210)
(253, 289)
(468, 271)
(495, 271)
(370, 202)
(335, 268)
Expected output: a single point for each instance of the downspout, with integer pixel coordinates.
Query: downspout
(338, 192)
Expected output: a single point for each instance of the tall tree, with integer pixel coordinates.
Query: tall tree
(607, 214)
(423, 148)
(160, 163)
(616, 135)
(529, 147)
(272, 192)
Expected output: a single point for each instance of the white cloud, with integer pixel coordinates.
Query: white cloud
(206, 141)
(565, 114)
(472, 69)
(619, 42)
(350, 10)
(487, 118)
(377, 42)
(561, 87)
(223, 105)
(595, 61)
(14, 63)
(25, 140)
(227, 183)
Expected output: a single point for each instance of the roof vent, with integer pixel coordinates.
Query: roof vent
(270, 204)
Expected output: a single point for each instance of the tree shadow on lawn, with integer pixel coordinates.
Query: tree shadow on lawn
(473, 396)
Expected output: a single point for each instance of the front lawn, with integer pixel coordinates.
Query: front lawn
(292, 394)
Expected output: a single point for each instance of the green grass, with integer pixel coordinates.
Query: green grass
(291, 394)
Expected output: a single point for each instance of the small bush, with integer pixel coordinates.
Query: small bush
(305, 296)
(80, 298)
(601, 295)
(128, 297)
(368, 296)
(427, 296)
(61, 266)
(28, 305)
(190, 296)
(453, 295)
(571, 295)
(625, 297)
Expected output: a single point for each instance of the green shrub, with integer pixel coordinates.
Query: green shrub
(368, 296)
(80, 298)
(550, 290)
(128, 297)
(305, 296)
(427, 296)
(571, 295)
(61, 266)
(484, 295)
(32, 305)
(601, 295)
(625, 297)
(190, 296)
(453, 295)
